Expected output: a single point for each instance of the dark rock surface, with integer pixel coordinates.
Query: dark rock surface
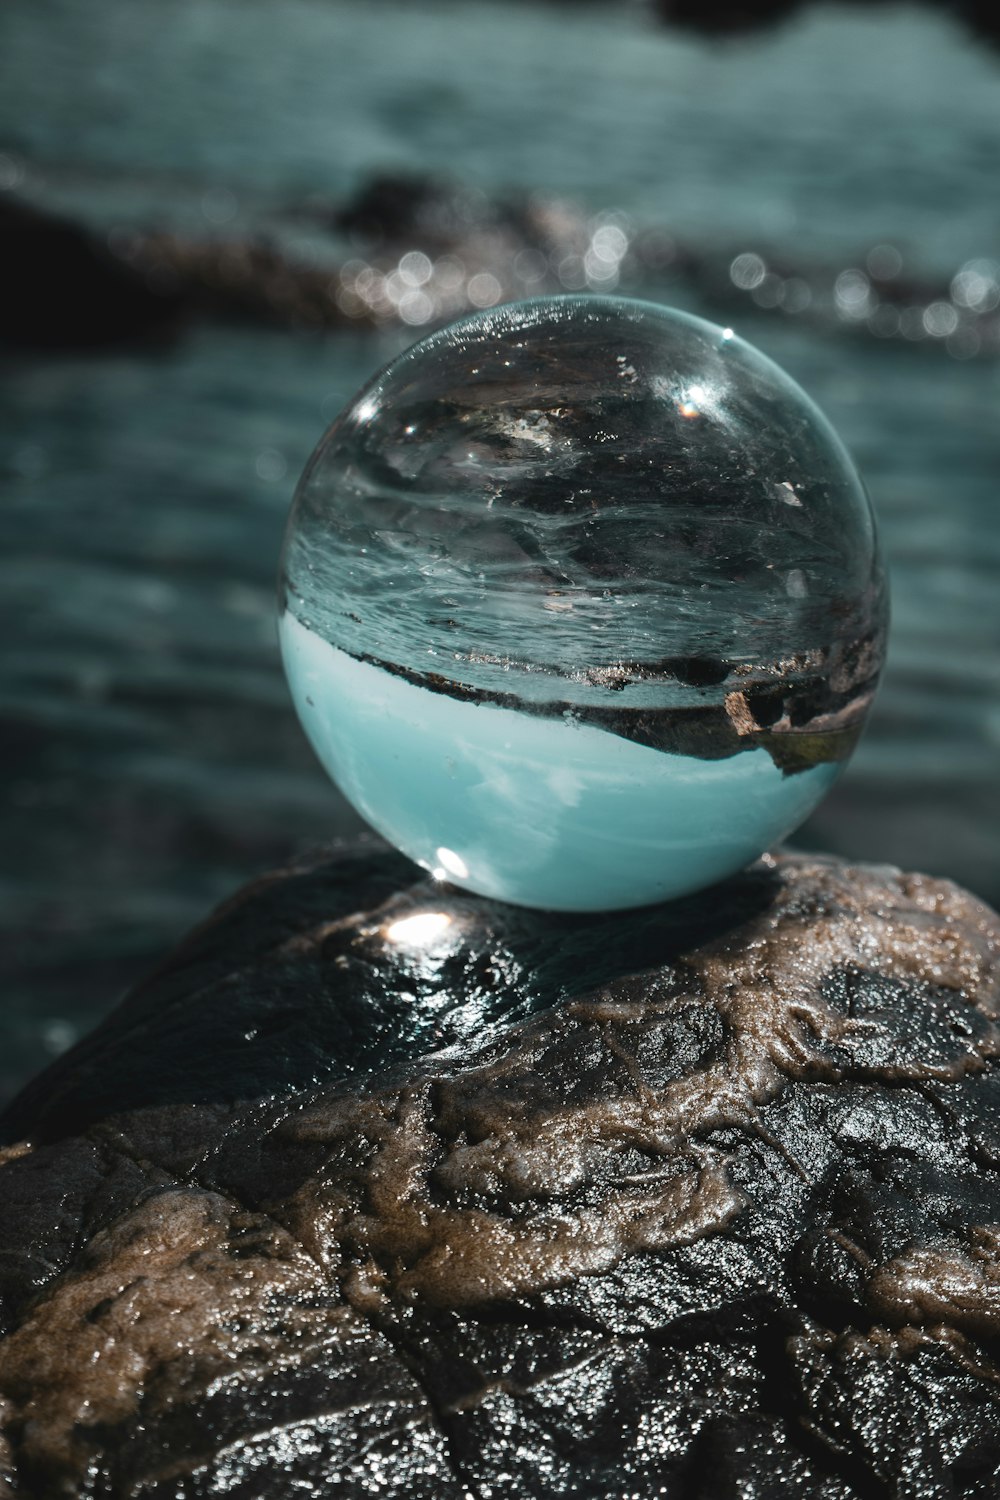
(726, 17)
(379, 1189)
(63, 289)
(71, 289)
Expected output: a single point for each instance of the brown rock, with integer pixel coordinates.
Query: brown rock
(381, 1189)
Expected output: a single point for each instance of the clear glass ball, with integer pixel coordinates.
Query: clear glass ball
(582, 604)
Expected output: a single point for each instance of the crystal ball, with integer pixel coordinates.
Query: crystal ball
(582, 604)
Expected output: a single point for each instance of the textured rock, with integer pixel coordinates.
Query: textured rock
(378, 1189)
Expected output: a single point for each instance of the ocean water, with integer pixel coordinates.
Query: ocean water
(533, 809)
(150, 755)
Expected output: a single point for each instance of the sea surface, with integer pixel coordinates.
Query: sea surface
(150, 755)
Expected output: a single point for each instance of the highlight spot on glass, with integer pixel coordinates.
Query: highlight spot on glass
(453, 864)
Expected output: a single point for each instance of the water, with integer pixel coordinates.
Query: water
(150, 753)
(541, 811)
(585, 486)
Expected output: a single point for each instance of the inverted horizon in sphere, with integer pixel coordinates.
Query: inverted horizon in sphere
(603, 823)
(585, 593)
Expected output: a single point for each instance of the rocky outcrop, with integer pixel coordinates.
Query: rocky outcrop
(379, 1188)
(64, 289)
(426, 250)
(726, 17)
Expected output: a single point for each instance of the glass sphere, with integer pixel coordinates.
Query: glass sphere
(582, 605)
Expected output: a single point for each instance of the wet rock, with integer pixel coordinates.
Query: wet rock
(721, 18)
(426, 250)
(242, 280)
(63, 288)
(399, 207)
(66, 289)
(378, 1188)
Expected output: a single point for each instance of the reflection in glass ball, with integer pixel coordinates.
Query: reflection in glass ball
(582, 603)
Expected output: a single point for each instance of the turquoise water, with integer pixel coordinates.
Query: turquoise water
(539, 811)
(150, 753)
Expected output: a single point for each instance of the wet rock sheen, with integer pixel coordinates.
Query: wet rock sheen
(376, 1188)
